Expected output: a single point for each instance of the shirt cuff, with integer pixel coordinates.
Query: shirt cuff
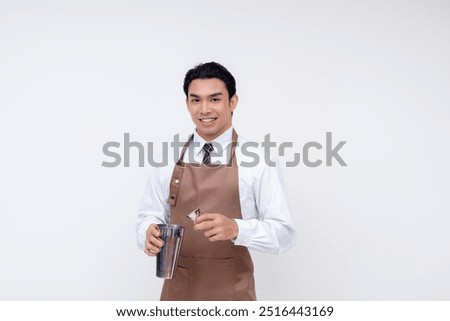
(244, 233)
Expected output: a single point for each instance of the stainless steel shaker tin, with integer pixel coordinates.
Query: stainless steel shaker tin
(166, 260)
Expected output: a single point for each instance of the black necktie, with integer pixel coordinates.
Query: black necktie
(207, 149)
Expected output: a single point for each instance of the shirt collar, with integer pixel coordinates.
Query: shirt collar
(224, 140)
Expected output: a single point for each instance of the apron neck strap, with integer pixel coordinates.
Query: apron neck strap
(183, 151)
(232, 162)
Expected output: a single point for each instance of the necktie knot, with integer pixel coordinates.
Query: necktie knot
(207, 149)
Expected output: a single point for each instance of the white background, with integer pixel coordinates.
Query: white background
(77, 74)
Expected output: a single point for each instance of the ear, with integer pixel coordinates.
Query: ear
(233, 102)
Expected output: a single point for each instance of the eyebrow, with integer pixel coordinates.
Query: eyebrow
(210, 96)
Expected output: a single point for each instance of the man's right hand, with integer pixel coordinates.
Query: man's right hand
(153, 243)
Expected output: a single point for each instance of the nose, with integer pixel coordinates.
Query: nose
(204, 109)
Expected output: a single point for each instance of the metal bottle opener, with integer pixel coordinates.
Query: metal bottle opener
(192, 215)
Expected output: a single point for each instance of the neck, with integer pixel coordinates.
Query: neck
(210, 138)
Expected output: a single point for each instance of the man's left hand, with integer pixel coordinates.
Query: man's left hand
(217, 227)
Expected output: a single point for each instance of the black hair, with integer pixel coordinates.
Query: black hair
(210, 70)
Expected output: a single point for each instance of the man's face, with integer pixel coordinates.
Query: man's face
(210, 107)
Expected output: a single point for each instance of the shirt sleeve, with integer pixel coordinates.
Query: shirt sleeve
(153, 208)
(273, 230)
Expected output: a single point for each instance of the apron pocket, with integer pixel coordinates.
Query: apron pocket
(177, 289)
(180, 282)
(213, 279)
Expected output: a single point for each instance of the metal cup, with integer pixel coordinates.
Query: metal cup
(166, 260)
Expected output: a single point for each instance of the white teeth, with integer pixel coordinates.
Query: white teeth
(207, 120)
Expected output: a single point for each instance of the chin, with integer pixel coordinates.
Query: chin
(207, 132)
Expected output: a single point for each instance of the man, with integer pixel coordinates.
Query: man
(242, 207)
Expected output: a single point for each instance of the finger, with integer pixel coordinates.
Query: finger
(154, 243)
(153, 230)
(204, 226)
(156, 231)
(215, 238)
(211, 232)
(152, 249)
(157, 242)
(150, 252)
(205, 217)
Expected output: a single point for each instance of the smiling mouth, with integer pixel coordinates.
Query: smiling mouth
(207, 119)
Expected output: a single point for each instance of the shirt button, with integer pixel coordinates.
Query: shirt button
(177, 181)
(172, 196)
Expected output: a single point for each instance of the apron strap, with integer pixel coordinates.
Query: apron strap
(232, 162)
(183, 151)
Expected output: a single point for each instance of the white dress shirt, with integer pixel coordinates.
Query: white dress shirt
(266, 223)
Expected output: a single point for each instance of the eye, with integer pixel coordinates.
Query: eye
(194, 100)
(215, 100)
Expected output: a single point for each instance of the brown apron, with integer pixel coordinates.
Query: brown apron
(208, 270)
